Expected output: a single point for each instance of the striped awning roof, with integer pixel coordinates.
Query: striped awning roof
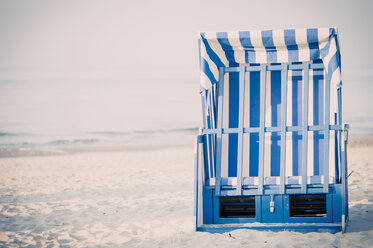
(224, 49)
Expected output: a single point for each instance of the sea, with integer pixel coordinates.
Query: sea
(52, 115)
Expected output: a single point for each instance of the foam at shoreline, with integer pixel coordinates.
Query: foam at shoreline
(87, 149)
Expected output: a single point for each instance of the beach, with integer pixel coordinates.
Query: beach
(143, 197)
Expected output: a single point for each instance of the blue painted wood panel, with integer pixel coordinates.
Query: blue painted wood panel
(275, 122)
(318, 119)
(278, 215)
(297, 82)
(233, 121)
(254, 122)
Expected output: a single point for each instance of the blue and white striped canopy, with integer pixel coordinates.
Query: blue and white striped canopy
(224, 49)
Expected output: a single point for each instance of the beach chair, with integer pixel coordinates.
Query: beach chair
(271, 154)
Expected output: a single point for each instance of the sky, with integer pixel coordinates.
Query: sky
(52, 42)
(156, 39)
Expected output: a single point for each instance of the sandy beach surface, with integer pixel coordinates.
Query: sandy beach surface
(143, 198)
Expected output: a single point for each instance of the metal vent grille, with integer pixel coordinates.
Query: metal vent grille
(237, 207)
(308, 206)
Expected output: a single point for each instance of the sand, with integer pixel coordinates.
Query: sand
(142, 199)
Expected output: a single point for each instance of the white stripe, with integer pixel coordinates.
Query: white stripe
(323, 35)
(332, 154)
(332, 51)
(289, 135)
(310, 162)
(226, 101)
(247, 100)
(268, 106)
(216, 47)
(257, 42)
(279, 42)
(260, 52)
(278, 38)
(301, 40)
(246, 136)
(210, 63)
(336, 77)
(224, 158)
(239, 53)
(267, 155)
(333, 110)
(204, 81)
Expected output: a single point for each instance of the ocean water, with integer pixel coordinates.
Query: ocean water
(55, 114)
(357, 93)
(51, 115)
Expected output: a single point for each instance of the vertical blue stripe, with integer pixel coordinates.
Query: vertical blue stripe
(245, 40)
(254, 122)
(318, 119)
(297, 120)
(326, 135)
(213, 56)
(336, 149)
(207, 144)
(333, 64)
(284, 82)
(305, 127)
(248, 46)
(219, 129)
(224, 42)
(206, 70)
(267, 38)
(233, 120)
(291, 44)
(313, 43)
(325, 50)
(211, 137)
(240, 131)
(276, 120)
(263, 77)
(339, 122)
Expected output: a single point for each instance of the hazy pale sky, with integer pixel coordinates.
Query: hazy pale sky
(155, 39)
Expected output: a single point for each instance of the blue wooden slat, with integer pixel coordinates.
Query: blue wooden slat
(197, 181)
(343, 160)
(251, 130)
(196, 188)
(208, 143)
(263, 73)
(339, 114)
(240, 128)
(294, 128)
(326, 134)
(316, 128)
(195, 200)
(230, 130)
(205, 125)
(203, 109)
(284, 82)
(273, 190)
(274, 67)
(233, 107)
(272, 129)
(211, 137)
(344, 174)
(219, 134)
(305, 129)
